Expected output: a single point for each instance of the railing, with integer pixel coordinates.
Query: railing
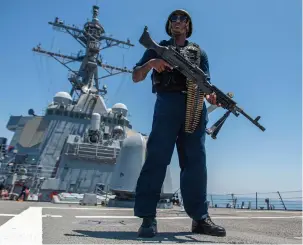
(287, 200)
(31, 169)
(93, 151)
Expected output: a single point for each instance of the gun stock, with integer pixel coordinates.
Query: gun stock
(149, 43)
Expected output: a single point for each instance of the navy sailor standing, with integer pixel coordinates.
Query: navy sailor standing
(168, 129)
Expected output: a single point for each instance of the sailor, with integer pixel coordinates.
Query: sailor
(23, 193)
(168, 125)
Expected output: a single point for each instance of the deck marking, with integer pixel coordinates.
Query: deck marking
(24, 228)
(43, 216)
(8, 215)
(100, 209)
(185, 217)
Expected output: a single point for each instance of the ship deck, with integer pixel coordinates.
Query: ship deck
(46, 223)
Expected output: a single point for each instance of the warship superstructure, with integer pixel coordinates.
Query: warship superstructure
(79, 145)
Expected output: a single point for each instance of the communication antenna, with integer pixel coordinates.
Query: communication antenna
(92, 37)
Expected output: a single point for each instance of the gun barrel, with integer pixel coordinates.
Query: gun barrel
(261, 127)
(254, 121)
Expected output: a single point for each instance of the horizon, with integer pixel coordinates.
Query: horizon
(254, 50)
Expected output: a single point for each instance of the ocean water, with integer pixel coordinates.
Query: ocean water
(291, 201)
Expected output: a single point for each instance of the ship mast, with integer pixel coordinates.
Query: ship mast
(93, 39)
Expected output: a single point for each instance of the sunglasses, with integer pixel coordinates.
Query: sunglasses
(182, 18)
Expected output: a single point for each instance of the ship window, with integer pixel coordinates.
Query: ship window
(50, 112)
(58, 112)
(65, 113)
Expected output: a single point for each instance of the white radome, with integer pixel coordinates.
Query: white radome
(62, 98)
(120, 108)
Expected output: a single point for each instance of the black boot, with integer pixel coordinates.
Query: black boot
(207, 227)
(148, 228)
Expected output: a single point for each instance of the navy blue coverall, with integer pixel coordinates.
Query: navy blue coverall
(168, 130)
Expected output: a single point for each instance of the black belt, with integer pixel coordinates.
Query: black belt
(178, 92)
(170, 90)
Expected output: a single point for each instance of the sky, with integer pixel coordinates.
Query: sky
(254, 50)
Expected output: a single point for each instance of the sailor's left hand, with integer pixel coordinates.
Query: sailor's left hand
(212, 99)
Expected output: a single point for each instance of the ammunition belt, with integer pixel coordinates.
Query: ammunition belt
(194, 107)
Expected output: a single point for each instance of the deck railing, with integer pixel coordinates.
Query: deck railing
(93, 151)
(278, 200)
(286, 200)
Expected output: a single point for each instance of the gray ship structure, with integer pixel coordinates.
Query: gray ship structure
(79, 145)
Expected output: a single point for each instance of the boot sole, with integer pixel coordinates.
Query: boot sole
(147, 233)
(219, 234)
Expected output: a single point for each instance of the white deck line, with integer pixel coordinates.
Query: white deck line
(100, 209)
(184, 217)
(24, 228)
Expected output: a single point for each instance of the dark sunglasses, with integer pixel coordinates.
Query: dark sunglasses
(182, 18)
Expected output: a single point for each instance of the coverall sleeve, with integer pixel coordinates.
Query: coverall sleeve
(204, 64)
(148, 55)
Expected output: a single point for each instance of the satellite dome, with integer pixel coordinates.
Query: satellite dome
(62, 98)
(118, 130)
(120, 108)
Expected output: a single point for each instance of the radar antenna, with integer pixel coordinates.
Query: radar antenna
(92, 37)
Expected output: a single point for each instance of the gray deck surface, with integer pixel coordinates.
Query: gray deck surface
(46, 223)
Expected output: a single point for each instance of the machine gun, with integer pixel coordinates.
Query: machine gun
(195, 74)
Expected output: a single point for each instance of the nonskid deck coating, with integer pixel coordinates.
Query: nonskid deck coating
(73, 224)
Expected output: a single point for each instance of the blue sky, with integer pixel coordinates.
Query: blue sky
(254, 50)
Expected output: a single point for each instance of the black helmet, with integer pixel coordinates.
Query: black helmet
(189, 19)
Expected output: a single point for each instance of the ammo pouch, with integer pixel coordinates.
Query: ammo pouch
(174, 80)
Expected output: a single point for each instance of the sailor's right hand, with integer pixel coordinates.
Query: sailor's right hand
(159, 65)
